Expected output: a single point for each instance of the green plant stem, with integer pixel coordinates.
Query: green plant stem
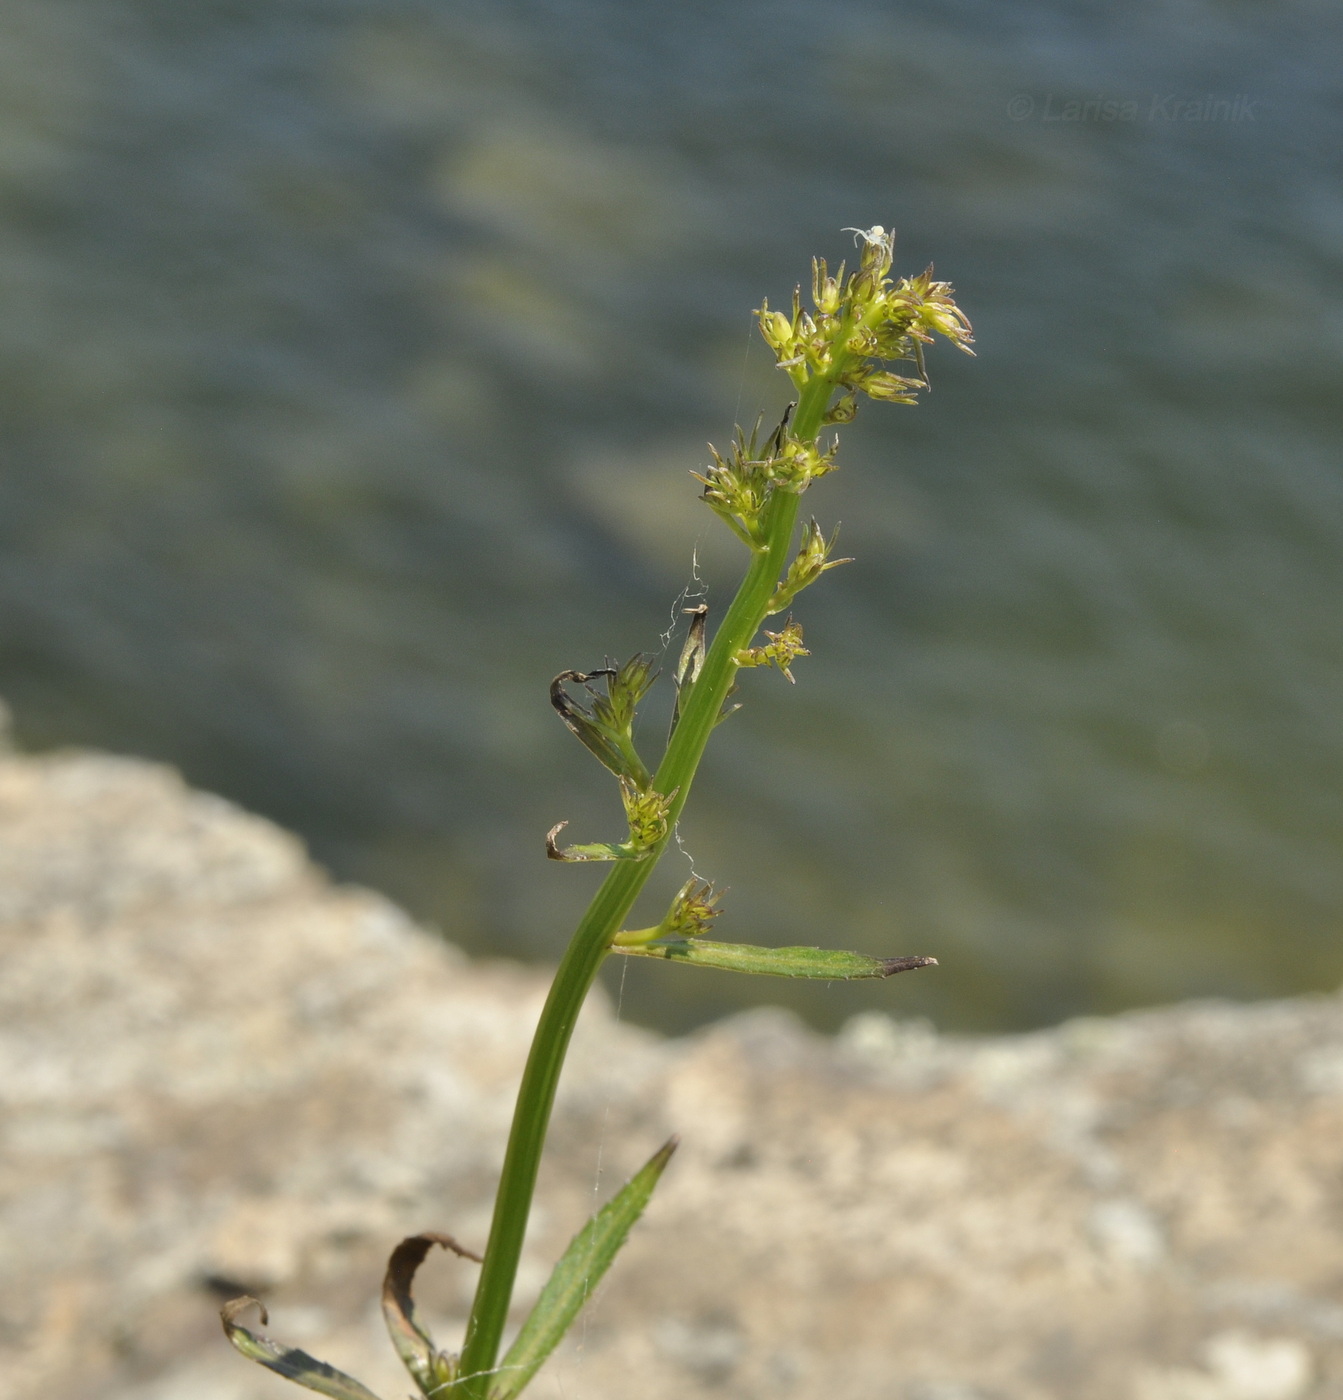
(610, 905)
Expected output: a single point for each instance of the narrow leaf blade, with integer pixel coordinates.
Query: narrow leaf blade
(289, 1362)
(600, 850)
(824, 964)
(429, 1368)
(578, 1272)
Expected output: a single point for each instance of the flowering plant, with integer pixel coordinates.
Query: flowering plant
(858, 324)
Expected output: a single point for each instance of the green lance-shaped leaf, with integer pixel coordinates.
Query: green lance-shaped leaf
(823, 964)
(289, 1362)
(432, 1370)
(578, 1272)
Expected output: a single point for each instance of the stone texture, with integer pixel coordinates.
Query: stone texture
(219, 1072)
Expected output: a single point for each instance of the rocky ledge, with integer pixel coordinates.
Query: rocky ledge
(218, 1072)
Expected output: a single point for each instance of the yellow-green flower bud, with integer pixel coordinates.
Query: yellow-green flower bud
(892, 388)
(826, 291)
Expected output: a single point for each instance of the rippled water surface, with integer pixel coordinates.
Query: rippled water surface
(353, 357)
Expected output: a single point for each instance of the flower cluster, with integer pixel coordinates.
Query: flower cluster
(812, 560)
(646, 811)
(737, 486)
(648, 815)
(781, 649)
(859, 322)
(691, 915)
(605, 727)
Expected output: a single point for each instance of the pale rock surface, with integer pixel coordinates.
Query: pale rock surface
(219, 1072)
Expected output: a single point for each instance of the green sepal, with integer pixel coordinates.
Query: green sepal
(289, 1362)
(824, 964)
(577, 1274)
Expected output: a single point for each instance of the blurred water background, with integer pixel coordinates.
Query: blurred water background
(354, 354)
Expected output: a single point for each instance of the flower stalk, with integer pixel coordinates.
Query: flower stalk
(833, 352)
(827, 352)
